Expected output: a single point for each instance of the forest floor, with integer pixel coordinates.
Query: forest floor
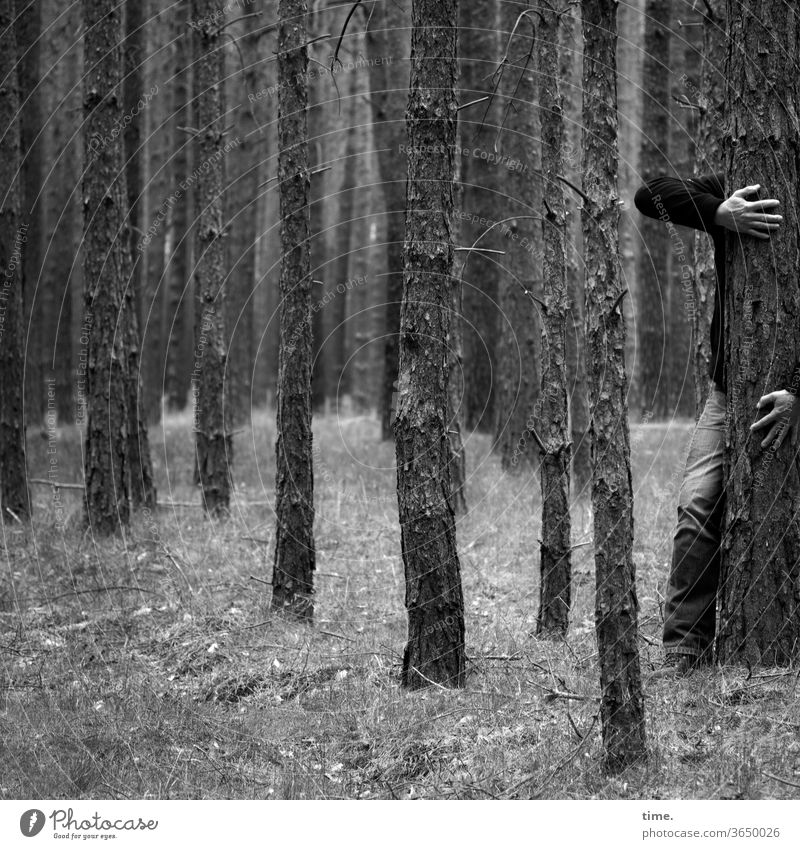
(151, 667)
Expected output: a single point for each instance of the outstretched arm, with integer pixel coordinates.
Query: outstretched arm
(701, 203)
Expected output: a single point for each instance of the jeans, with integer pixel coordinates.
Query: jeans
(691, 598)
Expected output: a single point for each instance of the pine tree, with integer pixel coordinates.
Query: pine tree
(434, 651)
(759, 604)
(293, 574)
(616, 607)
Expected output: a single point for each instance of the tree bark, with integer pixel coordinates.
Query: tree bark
(38, 303)
(434, 652)
(556, 561)
(14, 495)
(518, 348)
(759, 601)
(710, 98)
(143, 489)
(571, 71)
(178, 274)
(214, 443)
(616, 607)
(654, 260)
(388, 38)
(482, 192)
(293, 575)
(106, 272)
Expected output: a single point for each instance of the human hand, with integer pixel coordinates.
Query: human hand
(748, 216)
(784, 416)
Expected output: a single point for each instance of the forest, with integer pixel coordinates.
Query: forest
(357, 360)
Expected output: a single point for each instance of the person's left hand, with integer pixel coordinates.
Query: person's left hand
(784, 416)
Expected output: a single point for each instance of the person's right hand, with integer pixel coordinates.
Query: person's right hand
(748, 217)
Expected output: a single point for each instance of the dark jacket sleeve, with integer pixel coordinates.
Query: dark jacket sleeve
(692, 203)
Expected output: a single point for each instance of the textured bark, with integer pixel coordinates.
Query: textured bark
(38, 300)
(434, 652)
(293, 575)
(482, 180)
(57, 96)
(555, 564)
(759, 600)
(240, 213)
(179, 302)
(106, 272)
(571, 70)
(518, 347)
(214, 444)
(143, 489)
(457, 465)
(684, 54)
(388, 36)
(616, 607)
(654, 261)
(14, 496)
(710, 97)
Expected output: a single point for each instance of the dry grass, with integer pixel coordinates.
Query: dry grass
(152, 667)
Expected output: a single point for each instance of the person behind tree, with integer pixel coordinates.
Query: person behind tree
(690, 607)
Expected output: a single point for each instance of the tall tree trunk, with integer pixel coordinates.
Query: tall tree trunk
(142, 485)
(760, 605)
(571, 70)
(518, 348)
(654, 261)
(240, 213)
(434, 652)
(214, 443)
(678, 297)
(388, 37)
(457, 465)
(293, 574)
(38, 303)
(14, 496)
(556, 561)
(106, 272)
(616, 607)
(479, 49)
(178, 274)
(709, 96)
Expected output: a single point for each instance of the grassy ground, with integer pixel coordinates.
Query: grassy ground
(152, 667)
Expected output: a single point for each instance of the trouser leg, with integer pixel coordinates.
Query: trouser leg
(690, 609)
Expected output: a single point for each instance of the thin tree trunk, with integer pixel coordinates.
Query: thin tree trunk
(518, 348)
(106, 272)
(293, 575)
(654, 262)
(38, 306)
(710, 98)
(214, 442)
(571, 70)
(759, 603)
(482, 179)
(434, 652)
(142, 485)
(556, 561)
(14, 495)
(616, 607)
(179, 310)
(388, 38)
